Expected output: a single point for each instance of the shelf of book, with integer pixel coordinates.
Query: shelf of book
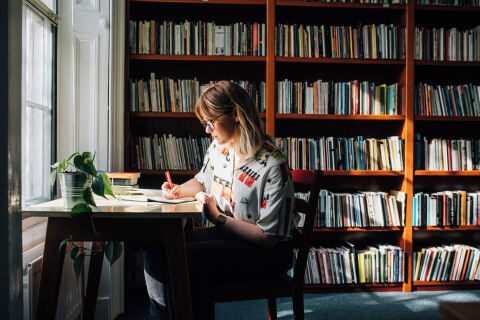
(173, 57)
(362, 173)
(447, 228)
(142, 114)
(238, 2)
(445, 118)
(447, 173)
(373, 229)
(446, 8)
(445, 285)
(465, 64)
(340, 117)
(340, 61)
(321, 4)
(352, 287)
(172, 172)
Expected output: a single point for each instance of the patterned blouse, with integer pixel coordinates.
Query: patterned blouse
(258, 190)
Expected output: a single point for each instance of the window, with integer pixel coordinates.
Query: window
(38, 83)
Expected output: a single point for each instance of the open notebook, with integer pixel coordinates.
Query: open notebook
(154, 195)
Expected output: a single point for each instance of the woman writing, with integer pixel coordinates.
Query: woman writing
(248, 195)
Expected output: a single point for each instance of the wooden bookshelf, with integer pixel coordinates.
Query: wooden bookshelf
(171, 57)
(406, 72)
(445, 118)
(340, 117)
(447, 228)
(443, 285)
(444, 8)
(360, 287)
(369, 229)
(345, 6)
(340, 61)
(472, 173)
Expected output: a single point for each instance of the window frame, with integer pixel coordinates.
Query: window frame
(51, 17)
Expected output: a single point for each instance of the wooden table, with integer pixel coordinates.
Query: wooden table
(459, 310)
(117, 221)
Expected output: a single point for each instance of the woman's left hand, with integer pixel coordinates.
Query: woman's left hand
(209, 201)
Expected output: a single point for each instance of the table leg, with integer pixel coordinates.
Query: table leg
(52, 267)
(93, 281)
(178, 271)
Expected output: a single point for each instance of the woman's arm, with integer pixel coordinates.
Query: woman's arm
(187, 189)
(248, 231)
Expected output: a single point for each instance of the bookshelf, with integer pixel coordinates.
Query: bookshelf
(406, 71)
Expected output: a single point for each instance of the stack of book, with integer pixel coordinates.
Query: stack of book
(456, 262)
(345, 264)
(123, 182)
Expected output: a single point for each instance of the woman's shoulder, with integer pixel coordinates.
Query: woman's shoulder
(269, 154)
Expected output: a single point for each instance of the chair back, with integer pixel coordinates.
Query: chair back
(311, 178)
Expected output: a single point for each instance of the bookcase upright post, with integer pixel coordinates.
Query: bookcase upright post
(270, 72)
(407, 237)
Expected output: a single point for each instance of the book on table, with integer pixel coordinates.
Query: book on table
(152, 195)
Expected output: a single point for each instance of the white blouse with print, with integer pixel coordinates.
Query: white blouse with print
(258, 190)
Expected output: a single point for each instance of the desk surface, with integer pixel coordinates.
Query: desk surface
(119, 209)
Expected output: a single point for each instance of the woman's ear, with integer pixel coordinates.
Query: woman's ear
(235, 113)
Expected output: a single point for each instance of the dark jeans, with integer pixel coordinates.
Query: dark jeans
(214, 257)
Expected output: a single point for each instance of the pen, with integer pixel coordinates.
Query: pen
(170, 184)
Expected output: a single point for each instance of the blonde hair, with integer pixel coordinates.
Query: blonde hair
(224, 96)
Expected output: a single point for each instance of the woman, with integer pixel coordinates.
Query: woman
(246, 187)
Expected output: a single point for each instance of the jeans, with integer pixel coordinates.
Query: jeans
(215, 257)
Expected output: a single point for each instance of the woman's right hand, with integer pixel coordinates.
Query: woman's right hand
(172, 193)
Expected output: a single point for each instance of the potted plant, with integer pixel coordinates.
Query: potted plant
(78, 181)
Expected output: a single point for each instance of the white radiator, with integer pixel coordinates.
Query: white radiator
(70, 298)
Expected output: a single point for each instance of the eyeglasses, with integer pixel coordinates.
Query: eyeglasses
(209, 123)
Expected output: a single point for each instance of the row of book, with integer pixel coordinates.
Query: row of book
(333, 153)
(456, 262)
(361, 1)
(328, 97)
(168, 152)
(348, 42)
(197, 38)
(447, 100)
(441, 44)
(446, 208)
(345, 264)
(450, 2)
(163, 94)
(446, 154)
(362, 209)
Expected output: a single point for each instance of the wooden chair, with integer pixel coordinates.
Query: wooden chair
(288, 286)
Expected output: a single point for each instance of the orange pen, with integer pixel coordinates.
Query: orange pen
(169, 180)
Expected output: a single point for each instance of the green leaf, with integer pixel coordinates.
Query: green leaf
(97, 186)
(63, 165)
(53, 177)
(107, 184)
(74, 252)
(85, 165)
(64, 242)
(90, 168)
(87, 155)
(80, 208)
(87, 196)
(55, 165)
(113, 251)
(78, 162)
(78, 264)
